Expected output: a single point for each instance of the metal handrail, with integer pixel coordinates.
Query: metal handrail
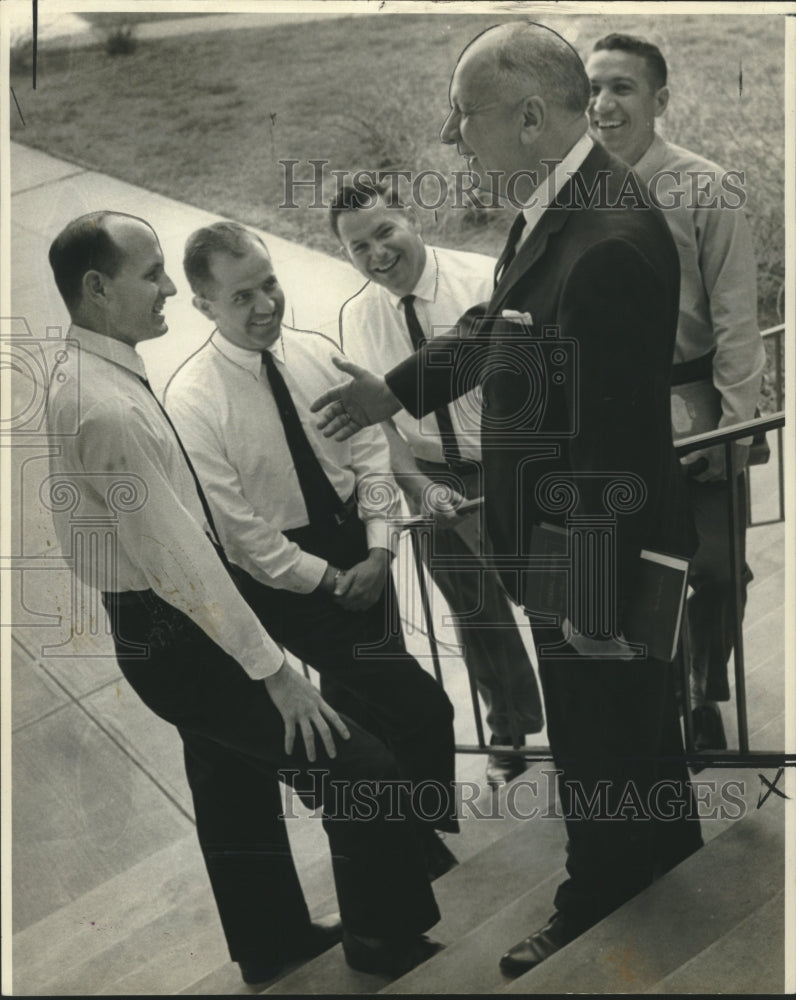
(420, 529)
(726, 437)
(777, 331)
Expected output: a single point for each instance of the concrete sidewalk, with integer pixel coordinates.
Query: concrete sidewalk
(46, 193)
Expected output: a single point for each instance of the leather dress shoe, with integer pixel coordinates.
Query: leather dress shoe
(708, 728)
(535, 949)
(321, 935)
(708, 732)
(439, 857)
(390, 956)
(503, 767)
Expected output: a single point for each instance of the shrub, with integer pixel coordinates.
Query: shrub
(121, 40)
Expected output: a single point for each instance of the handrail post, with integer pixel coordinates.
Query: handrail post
(421, 534)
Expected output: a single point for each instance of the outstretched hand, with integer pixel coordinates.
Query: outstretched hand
(301, 705)
(349, 407)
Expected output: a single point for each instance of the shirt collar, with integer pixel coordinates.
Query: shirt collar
(546, 193)
(115, 351)
(426, 287)
(652, 159)
(250, 361)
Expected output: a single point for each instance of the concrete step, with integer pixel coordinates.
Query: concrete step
(765, 700)
(77, 950)
(225, 980)
(469, 965)
(163, 936)
(689, 910)
(747, 957)
(524, 854)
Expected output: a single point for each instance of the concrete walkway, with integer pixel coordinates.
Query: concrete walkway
(46, 193)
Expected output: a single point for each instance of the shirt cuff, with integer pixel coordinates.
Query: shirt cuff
(263, 661)
(381, 534)
(308, 573)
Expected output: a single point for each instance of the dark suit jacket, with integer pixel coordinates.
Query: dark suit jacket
(584, 395)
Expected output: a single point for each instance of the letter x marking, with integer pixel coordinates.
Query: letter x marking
(771, 788)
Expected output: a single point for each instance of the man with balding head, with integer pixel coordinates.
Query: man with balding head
(195, 652)
(575, 432)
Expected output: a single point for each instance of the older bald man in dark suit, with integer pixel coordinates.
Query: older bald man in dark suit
(576, 430)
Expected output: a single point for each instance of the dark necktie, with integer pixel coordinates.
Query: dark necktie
(324, 506)
(450, 446)
(510, 249)
(215, 537)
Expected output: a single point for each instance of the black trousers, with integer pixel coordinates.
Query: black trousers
(628, 805)
(366, 671)
(494, 652)
(233, 737)
(711, 617)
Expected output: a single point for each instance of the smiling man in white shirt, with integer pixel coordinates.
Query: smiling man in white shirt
(190, 646)
(305, 519)
(719, 355)
(412, 291)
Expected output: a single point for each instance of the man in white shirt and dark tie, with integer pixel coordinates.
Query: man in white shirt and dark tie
(306, 521)
(412, 291)
(195, 652)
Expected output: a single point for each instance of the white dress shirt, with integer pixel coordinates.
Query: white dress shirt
(551, 186)
(119, 465)
(221, 403)
(374, 334)
(718, 274)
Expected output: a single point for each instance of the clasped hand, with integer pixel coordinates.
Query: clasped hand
(709, 465)
(359, 588)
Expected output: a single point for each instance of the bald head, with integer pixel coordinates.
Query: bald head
(518, 99)
(523, 57)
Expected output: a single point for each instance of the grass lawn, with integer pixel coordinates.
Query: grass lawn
(207, 118)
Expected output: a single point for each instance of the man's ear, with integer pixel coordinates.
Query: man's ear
(204, 306)
(414, 219)
(661, 101)
(534, 115)
(93, 284)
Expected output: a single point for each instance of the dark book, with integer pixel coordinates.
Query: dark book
(654, 614)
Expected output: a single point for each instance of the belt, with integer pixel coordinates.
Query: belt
(695, 370)
(350, 510)
(126, 598)
(462, 467)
